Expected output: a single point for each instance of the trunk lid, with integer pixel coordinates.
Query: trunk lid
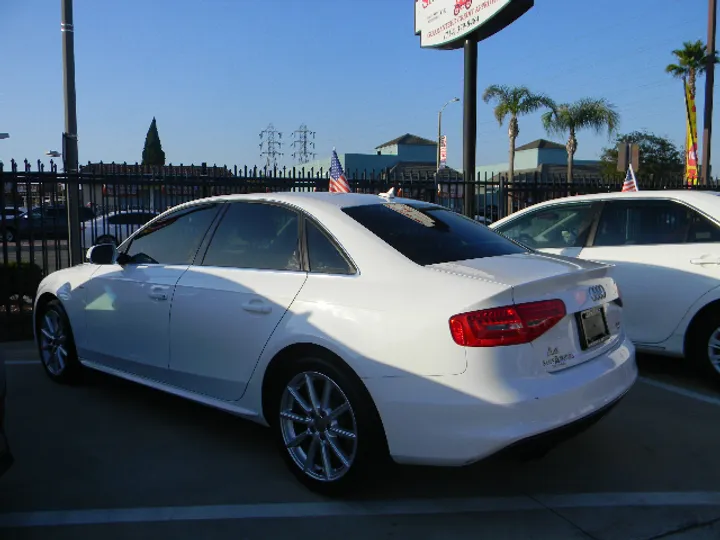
(587, 289)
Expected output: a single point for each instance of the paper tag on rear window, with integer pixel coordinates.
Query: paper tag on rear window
(412, 213)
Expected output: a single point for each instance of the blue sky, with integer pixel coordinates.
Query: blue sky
(215, 73)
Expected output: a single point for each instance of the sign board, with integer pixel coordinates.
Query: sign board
(447, 23)
(628, 154)
(443, 151)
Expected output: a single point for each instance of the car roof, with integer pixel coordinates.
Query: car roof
(310, 200)
(708, 201)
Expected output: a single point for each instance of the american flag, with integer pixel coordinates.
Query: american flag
(338, 182)
(630, 183)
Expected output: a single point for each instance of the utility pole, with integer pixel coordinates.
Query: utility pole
(70, 146)
(270, 146)
(470, 124)
(439, 135)
(302, 144)
(709, 90)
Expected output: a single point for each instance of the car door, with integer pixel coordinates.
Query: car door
(561, 228)
(227, 305)
(128, 304)
(667, 255)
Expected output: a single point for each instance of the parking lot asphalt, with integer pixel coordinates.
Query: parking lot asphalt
(113, 459)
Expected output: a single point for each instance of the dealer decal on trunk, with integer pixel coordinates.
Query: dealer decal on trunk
(554, 358)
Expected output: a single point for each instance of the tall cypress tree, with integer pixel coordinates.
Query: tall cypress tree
(153, 153)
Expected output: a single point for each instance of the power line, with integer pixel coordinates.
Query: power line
(302, 145)
(270, 145)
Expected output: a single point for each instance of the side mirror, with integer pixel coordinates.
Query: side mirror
(102, 254)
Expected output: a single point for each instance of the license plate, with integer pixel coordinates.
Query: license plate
(593, 327)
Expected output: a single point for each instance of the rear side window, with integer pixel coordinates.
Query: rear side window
(323, 256)
(627, 223)
(430, 235)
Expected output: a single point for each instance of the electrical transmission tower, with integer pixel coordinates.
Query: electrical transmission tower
(270, 145)
(302, 145)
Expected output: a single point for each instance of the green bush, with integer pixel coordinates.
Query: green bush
(18, 281)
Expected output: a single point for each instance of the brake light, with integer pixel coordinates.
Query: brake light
(508, 325)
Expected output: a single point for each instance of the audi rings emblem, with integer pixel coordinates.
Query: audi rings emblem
(597, 293)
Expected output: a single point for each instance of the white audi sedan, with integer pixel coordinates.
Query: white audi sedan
(358, 327)
(665, 249)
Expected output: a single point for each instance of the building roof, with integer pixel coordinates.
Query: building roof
(541, 143)
(423, 169)
(409, 139)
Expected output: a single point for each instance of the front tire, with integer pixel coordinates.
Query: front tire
(704, 345)
(56, 344)
(326, 426)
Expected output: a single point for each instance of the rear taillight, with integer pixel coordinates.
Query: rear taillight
(508, 325)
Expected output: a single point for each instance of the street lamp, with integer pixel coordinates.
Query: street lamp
(4, 135)
(439, 136)
(53, 153)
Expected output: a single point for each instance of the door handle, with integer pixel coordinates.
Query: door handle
(707, 260)
(257, 306)
(158, 293)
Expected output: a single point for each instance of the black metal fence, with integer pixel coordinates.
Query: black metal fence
(117, 198)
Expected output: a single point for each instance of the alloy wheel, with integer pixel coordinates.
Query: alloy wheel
(318, 426)
(53, 337)
(713, 350)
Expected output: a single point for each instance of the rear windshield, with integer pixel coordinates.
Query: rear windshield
(431, 235)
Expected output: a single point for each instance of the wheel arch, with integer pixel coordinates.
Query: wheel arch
(298, 350)
(44, 299)
(710, 307)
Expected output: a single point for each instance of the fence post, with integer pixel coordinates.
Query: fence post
(501, 197)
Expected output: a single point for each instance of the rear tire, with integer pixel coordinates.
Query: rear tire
(56, 344)
(704, 345)
(331, 437)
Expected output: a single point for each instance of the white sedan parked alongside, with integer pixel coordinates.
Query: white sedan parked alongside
(665, 246)
(115, 226)
(357, 326)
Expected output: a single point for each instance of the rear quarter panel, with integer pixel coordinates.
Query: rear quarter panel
(381, 327)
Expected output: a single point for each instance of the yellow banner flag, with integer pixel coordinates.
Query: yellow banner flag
(691, 149)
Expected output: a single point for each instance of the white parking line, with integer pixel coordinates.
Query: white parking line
(681, 391)
(354, 509)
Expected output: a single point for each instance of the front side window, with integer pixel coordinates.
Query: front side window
(428, 235)
(174, 239)
(256, 235)
(636, 223)
(552, 227)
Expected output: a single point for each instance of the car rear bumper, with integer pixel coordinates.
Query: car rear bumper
(457, 420)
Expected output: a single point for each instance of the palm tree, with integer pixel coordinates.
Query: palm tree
(692, 60)
(587, 113)
(514, 101)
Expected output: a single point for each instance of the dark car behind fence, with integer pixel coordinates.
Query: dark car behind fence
(34, 225)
